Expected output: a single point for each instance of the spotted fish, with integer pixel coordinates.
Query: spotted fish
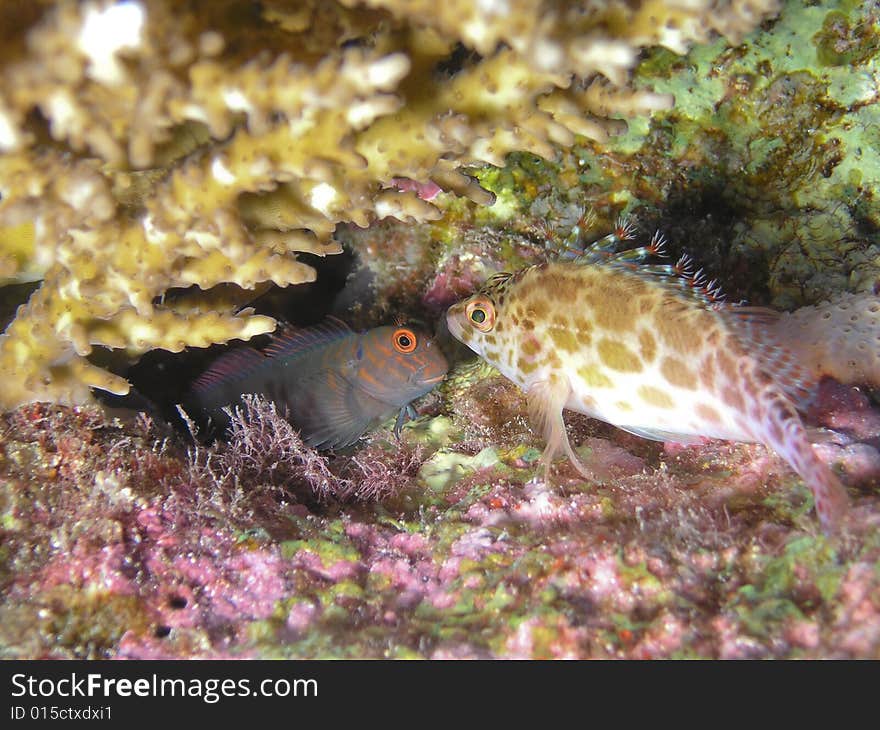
(652, 350)
(334, 383)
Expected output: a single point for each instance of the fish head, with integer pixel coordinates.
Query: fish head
(475, 321)
(398, 364)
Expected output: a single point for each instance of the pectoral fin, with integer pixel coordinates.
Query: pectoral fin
(331, 412)
(546, 400)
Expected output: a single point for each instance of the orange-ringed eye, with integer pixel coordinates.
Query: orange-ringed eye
(481, 314)
(405, 340)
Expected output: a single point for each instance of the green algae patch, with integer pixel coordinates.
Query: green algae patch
(792, 503)
(805, 576)
(329, 551)
(777, 133)
(445, 468)
(529, 455)
(73, 625)
(435, 432)
(640, 579)
(843, 42)
(343, 592)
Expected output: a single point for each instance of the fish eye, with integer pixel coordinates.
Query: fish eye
(481, 313)
(405, 340)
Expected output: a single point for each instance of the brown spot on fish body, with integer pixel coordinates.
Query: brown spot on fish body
(655, 396)
(646, 305)
(563, 339)
(707, 371)
(733, 398)
(613, 308)
(593, 377)
(589, 402)
(566, 288)
(530, 346)
(726, 365)
(526, 366)
(537, 309)
(707, 413)
(581, 328)
(618, 356)
(677, 373)
(647, 346)
(676, 333)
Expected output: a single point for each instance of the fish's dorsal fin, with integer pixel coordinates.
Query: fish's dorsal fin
(680, 277)
(230, 366)
(286, 341)
(289, 340)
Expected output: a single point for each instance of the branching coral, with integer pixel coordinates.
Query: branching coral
(146, 146)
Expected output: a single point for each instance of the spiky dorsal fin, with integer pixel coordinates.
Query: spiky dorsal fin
(230, 365)
(497, 282)
(286, 341)
(289, 341)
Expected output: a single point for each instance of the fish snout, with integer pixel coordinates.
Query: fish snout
(434, 379)
(432, 367)
(453, 321)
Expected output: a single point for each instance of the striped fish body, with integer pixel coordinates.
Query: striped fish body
(333, 384)
(639, 352)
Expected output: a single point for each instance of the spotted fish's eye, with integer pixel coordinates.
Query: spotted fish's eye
(481, 313)
(405, 340)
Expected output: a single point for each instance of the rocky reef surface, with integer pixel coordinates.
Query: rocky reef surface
(124, 538)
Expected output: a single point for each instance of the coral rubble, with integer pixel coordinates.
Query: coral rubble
(147, 146)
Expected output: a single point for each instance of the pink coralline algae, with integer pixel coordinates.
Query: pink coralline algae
(118, 545)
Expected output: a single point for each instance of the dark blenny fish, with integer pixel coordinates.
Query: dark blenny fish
(332, 383)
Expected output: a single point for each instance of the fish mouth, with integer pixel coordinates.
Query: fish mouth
(452, 323)
(435, 379)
